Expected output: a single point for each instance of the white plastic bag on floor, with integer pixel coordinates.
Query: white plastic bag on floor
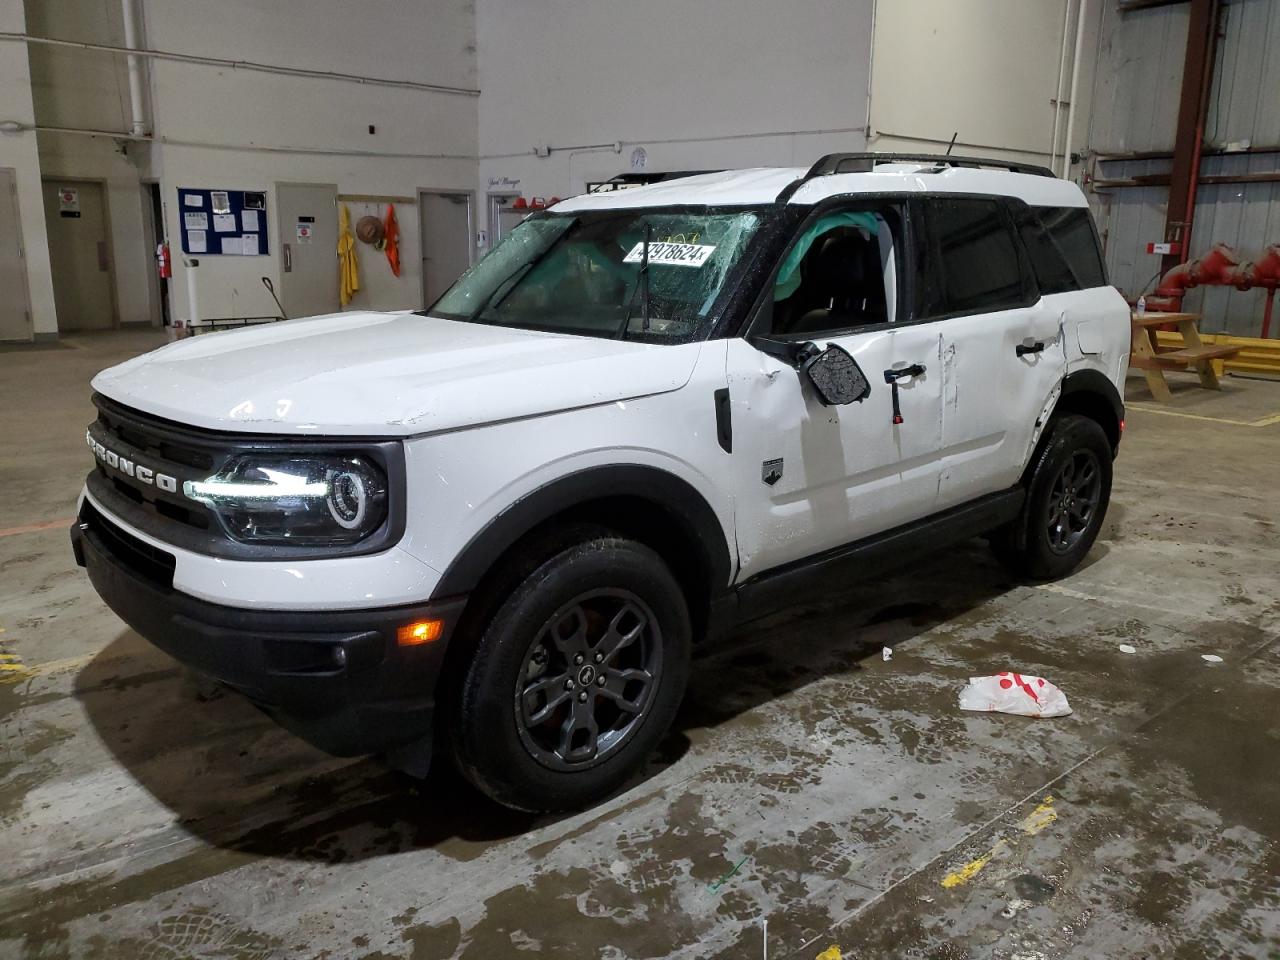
(1014, 693)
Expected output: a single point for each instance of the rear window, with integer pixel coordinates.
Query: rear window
(977, 258)
(1063, 248)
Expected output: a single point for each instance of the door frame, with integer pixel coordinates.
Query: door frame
(154, 282)
(422, 240)
(111, 249)
(495, 215)
(22, 255)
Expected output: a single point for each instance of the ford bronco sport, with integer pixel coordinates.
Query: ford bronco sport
(497, 527)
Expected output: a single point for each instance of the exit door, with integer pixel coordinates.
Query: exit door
(445, 227)
(75, 215)
(15, 305)
(307, 214)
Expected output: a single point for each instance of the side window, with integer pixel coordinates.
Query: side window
(840, 273)
(975, 258)
(1063, 248)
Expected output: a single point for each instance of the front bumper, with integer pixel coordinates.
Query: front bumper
(338, 679)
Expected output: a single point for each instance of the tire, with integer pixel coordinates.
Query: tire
(1068, 490)
(522, 723)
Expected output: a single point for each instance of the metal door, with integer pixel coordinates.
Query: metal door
(445, 228)
(15, 305)
(307, 218)
(75, 216)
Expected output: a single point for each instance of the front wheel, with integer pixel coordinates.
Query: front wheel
(576, 677)
(1068, 489)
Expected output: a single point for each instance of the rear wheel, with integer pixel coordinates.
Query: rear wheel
(575, 678)
(1068, 489)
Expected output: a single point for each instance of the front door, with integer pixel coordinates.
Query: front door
(809, 477)
(15, 306)
(308, 217)
(80, 256)
(446, 241)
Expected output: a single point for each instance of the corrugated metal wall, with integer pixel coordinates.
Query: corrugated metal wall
(1135, 110)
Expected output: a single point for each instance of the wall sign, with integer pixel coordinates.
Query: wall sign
(223, 222)
(69, 202)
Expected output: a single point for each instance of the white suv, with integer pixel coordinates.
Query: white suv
(499, 526)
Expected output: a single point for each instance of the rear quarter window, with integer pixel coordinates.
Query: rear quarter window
(1063, 248)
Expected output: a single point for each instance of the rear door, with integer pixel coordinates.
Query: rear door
(809, 477)
(1002, 348)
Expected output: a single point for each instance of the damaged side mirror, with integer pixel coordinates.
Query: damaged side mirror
(836, 377)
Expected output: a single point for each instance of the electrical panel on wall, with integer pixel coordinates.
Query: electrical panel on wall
(223, 222)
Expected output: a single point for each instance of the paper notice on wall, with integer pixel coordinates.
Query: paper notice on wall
(250, 245)
(220, 202)
(192, 200)
(304, 230)
(196, 242)
(250, 221)
(195, 221)
(224, 223)
(69, 201)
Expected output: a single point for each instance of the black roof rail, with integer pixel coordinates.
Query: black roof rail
(865, 162)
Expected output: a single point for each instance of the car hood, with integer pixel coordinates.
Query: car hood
(386, 374)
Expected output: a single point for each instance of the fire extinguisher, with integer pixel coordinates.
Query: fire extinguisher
(162, 261)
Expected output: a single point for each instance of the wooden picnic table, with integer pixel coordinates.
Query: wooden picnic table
(1147, 355)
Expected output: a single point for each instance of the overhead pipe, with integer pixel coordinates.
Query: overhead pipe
(1075, 87)
(137, 108)
(1057, 90)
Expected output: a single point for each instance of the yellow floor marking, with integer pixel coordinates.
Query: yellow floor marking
(12, 666)
(1260, 422)
(9, 656)
(831, 953)
(973, 867)
(1039, 818)
(1033, 823)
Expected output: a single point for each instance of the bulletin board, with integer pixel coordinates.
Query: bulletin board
(223, 222)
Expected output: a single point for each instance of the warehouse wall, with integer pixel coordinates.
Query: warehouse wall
(89, 90)
(723, 83)
(1137, 100)
(986, 70)
(249, 130)
(19, 152)
(217, 127)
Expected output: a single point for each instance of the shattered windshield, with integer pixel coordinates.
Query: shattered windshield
(653, 275)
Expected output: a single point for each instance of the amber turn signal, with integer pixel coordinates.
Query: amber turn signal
(424, 631)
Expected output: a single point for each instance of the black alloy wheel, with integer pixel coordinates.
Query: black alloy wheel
(587, 679)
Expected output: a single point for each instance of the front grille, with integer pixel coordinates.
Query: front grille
(146, 561)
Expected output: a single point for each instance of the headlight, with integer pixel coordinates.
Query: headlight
(306, 500)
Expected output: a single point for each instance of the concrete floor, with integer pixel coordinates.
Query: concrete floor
(143, 817)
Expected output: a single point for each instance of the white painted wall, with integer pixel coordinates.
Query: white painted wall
(243, 129)
(722, 83)
(247, 130)
(985, 68)
(19, 152)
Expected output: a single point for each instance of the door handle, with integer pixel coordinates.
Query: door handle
(103, 263)
(892, 376)
(288, 258)
(1022, 349)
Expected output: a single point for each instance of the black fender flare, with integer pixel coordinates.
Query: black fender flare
(1090, 381)
(673, 495)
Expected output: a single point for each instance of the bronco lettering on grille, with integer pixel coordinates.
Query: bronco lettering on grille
(131, 468)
